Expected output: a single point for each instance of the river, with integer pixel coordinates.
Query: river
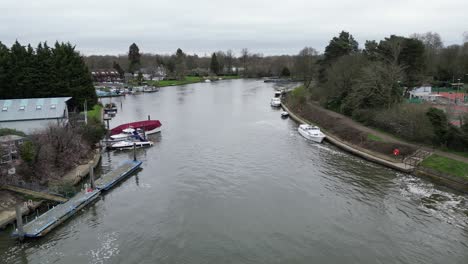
(229, 181)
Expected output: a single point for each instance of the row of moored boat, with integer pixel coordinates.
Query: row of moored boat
(310, 132)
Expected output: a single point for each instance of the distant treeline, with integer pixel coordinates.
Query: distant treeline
(422, 57)
(246, 64)
(45, 71)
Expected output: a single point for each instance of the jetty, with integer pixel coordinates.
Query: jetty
(108, 180)
(57, 215)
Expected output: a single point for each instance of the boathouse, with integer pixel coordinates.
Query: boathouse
(32, 114)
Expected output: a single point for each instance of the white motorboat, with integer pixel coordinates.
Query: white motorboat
(311, 132)
(128, 144)
(126, 134)
(284, 114)
(275, 102)
(150, 89)
(278, 94)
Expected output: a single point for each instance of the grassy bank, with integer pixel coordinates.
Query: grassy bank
(446, 165)
(95, 113)
(346, 129)
(188, 80)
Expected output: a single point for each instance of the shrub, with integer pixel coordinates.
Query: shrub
(298, 96)
(407, 121)
(28, 152)
(93, 132)
(10, 131)
(439, 123)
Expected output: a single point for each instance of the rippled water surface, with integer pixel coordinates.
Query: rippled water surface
(229, 181)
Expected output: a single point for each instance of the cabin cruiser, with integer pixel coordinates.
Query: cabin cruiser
(275, 102)
(150, 89)
(110, 108)
(311, 133)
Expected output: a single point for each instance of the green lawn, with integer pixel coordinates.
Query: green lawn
(446, 165)
(187, 80)
(95, 113)
(459, 153)
(374, 138)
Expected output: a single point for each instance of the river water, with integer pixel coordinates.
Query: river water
(229, 181)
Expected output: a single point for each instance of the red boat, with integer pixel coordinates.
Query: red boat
(149, 126)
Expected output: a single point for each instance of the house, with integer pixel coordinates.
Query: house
(31, 114)
(106, 75)
(9, 148)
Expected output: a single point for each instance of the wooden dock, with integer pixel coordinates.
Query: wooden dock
(108, 180)
(58, 214)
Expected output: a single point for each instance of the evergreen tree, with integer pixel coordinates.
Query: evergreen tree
(285, 72)
(133, 58)
(119, 69)
(47, 83)
(339, 46)
(214, 65)
(5, 64)
(180, 66)
(45, 72)
(439, 123)
(73, 76)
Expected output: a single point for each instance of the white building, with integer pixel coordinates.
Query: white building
(31, 114)
(419, 92)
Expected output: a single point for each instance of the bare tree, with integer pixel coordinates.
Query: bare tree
(244, 58)
(433, 46)
(229, 61)
(306, 65)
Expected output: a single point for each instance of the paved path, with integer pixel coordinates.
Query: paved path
(79, 172)
(41, 195)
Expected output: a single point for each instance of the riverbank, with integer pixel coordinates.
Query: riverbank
(377, 147)
(190, 79)
(8, 202)
(10, 195)
(352, 148)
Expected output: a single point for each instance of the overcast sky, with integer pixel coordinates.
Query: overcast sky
(202, 26)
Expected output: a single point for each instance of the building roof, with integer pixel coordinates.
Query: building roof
(32, 108)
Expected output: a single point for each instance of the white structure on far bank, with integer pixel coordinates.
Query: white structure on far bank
(424, 93)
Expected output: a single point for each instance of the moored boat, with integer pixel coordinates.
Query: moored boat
(149, 126)
(110, 108)
(311, 133)
(128, 144)
(275, 102)
(127, 133)
(150, 89)
(284, 114)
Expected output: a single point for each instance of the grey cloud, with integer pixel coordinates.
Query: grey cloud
(269, 27)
